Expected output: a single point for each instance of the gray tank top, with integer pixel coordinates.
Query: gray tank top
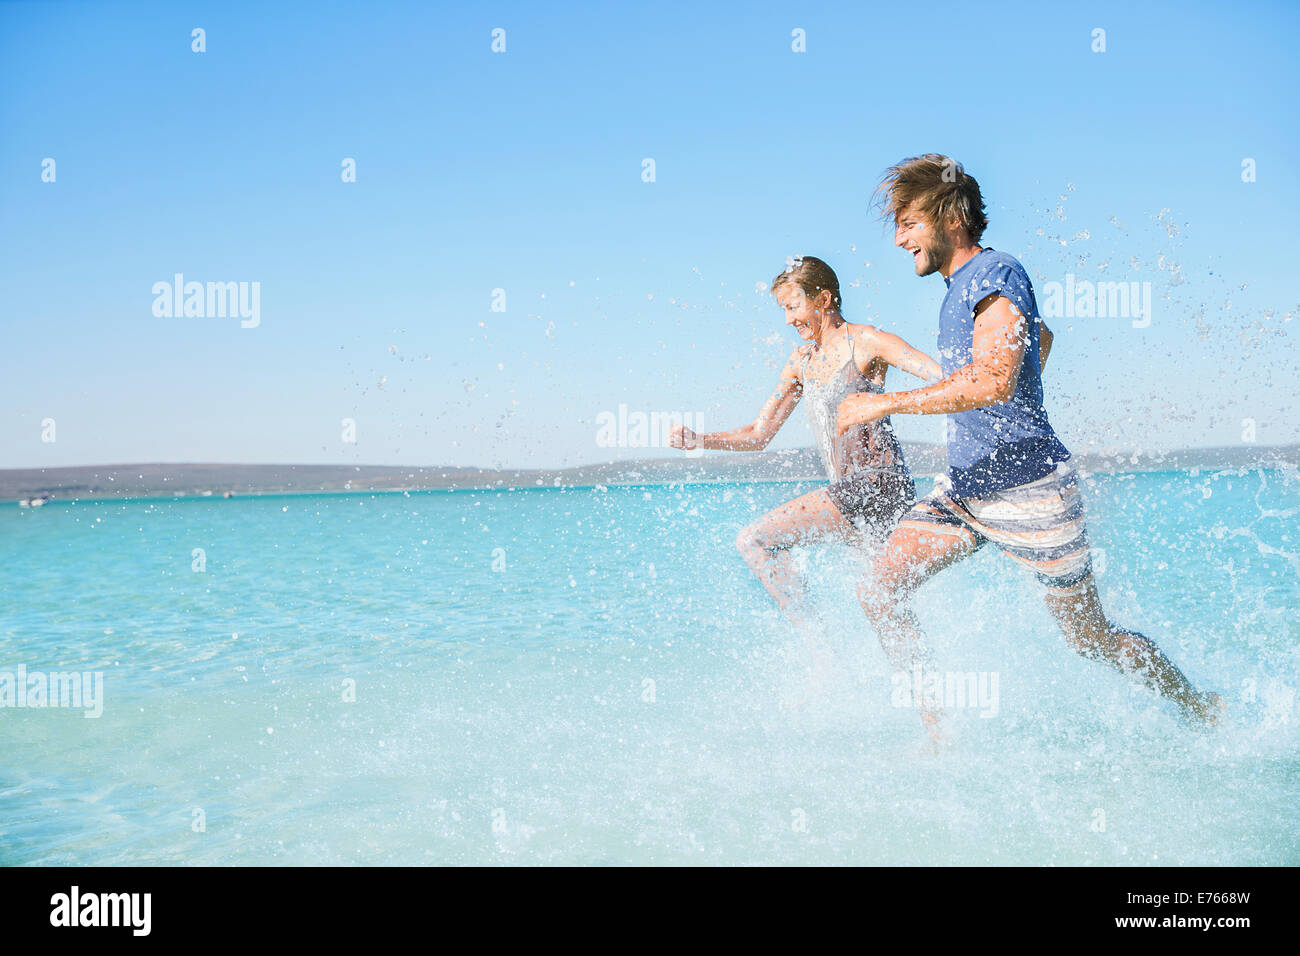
(871, 447)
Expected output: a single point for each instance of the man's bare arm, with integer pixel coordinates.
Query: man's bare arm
(990, 378)
(1045, 337)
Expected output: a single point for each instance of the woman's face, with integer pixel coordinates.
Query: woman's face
(801, 312)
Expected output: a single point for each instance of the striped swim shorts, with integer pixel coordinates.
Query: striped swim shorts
(1040, 524)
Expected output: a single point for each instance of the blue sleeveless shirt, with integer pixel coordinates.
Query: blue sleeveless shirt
(1012, 443)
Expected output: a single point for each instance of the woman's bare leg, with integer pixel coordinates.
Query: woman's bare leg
(765, 545)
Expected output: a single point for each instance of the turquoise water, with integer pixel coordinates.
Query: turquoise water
(592, 676)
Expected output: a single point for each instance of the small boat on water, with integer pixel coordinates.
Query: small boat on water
(33, 502)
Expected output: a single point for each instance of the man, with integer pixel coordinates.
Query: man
(1009, 482)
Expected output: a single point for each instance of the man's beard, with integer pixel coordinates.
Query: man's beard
(935, 254)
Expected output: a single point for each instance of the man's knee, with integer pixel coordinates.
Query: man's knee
(1083, 642)
(1082, 622)
(1101, 640)
(1081, 636)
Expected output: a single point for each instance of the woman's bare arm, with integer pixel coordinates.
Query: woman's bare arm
(892, 350)
(770, 418)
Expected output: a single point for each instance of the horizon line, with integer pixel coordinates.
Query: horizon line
(680, 457)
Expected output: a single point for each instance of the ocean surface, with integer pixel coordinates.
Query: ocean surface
(593, 676)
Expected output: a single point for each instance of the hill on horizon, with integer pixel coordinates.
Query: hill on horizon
(216, 479)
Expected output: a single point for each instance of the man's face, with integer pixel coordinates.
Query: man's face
(928, 245)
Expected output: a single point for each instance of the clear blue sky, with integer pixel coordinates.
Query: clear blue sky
(522, 171)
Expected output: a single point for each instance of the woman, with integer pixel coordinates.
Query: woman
(870, 487)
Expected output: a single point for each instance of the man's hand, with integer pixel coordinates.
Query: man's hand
(682, 437)
(860, 409)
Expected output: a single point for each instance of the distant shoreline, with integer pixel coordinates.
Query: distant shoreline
(198, 480)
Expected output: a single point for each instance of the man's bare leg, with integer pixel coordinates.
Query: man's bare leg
(910, 557)
(1079, 612)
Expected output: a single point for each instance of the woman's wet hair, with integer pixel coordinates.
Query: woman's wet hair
(813, 276)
